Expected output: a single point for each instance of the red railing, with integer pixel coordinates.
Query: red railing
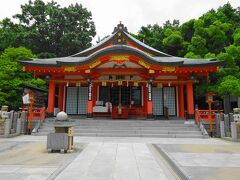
(38, 113)
(203, 115)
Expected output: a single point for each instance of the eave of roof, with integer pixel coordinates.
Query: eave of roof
(121, 49)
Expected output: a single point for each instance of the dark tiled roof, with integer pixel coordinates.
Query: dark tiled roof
(97, 46)
(121, 49)
(141, 44)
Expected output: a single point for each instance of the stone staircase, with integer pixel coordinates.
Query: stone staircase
(129, 128)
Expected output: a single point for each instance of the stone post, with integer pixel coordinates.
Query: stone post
(222, 129)
(23, 118)
(231, 118)
(218, 119)
(2, 124)
(227, 125)
(15, 117)
(11, 118)
(7, 127)
(19, 124)
(234, 131)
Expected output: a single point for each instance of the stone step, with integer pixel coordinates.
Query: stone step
(137, 135)
(134, 135)
(129, 128)
(129, 131)
(129, 122)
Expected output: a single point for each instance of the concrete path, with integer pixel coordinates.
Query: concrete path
(118, 161)
(118, 158)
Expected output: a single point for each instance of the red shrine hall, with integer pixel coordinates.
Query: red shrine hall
(121, 77)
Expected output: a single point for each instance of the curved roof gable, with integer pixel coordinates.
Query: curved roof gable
(120, 36)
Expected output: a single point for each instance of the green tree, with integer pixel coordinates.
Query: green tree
(12, 77)
(229, 85)
(198, 46)
(236, 37)
(216, 34)
(48, 28)
(173, 42)
(192, 55)
(10, 34)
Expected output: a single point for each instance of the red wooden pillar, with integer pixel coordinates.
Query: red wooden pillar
(145, 99)
(149, 101)
(90, 99)
(94, 93)
(51, 96)
(190, 101)
(181, 100)
(60, 97)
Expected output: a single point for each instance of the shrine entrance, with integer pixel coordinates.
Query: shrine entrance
(129, 98)
(126, 96)
(164, 97)
(76, 100)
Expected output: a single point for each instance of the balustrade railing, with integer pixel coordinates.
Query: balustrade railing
(204, 115)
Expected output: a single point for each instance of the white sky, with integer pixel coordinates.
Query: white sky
(133, 13)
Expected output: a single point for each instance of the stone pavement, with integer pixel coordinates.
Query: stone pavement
(25, 160)
(206, 161)
(25, 157)
(120, 161)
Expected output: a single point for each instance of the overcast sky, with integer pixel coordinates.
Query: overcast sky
(133, 13)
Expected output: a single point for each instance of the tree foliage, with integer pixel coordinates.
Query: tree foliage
(216, 34)
(12, 77)
(229, 85)
(48, 28)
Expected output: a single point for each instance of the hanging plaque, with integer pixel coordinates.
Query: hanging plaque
(149, 91)
(90, 91)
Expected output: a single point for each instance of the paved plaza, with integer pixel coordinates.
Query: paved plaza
(105, 158)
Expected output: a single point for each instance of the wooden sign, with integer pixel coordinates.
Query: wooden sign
(70, 69)
(119, 59)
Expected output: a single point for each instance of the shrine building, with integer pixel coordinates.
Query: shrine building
(121, 77)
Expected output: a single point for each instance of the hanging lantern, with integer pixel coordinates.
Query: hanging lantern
(120, 83)
(127, 83)
(135, 83)
(104, 83)
(78, 84)
(159, 85)
(67, 84)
